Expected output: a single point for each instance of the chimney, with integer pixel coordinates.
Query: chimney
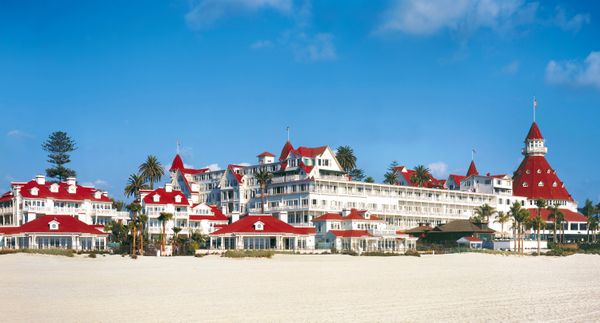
(168, 187)
(283, 216)
(345, 212)
(71, 181)
(235, 216)
(40, 179)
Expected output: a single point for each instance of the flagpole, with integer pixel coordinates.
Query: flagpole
(534, 104)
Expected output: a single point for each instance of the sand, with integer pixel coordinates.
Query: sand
(460, 288)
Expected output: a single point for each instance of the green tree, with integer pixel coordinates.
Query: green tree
(391, 176)
(345, 156)
(117, 205)
(588, 210)
(143, 218)
(421, 176)
(134, 208)
(176, 231)
(357, 174)
(263, 177)
(135, 183)
(537, 223)
(151, 170)
(483, 213)
(554, 215)
(369, 179)
(520, 217)
(164, 217)
(59, 146)
(502, 218)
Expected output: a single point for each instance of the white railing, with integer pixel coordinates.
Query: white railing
(68, 210)
(35, 208)
(180, 214)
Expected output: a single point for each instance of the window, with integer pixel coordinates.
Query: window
(525, 184)
(541, 184)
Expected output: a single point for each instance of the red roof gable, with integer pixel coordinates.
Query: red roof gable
(472, 169)
(271, 225)
(66, 224)
(178, 165)
(81, 192)
(570, 216)
(527, 174)
(534, 133)
(329, 217)
(408, 173)
(286, 150)
(350, 233)
(6, 196)
(165, 197)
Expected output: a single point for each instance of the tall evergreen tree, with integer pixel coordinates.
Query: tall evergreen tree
(58, 146)
(392, 177)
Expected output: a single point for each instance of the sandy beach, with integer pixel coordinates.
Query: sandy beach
(465, 288)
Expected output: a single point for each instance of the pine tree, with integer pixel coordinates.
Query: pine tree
(58, 146)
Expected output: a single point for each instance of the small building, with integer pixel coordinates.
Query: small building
(359, 231)
(53, 232)
(262, 232)
(450, 232)
(470, 242)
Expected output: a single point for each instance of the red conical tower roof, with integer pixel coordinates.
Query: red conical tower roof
(177, 163)
(534, 133)
(472, 169)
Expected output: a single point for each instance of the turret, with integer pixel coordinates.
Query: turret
(534, 142)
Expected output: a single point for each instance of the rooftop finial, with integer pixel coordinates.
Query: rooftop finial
(534, 106)
(473, 152)
(287, 129)
(177, 147)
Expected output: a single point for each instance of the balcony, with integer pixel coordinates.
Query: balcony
(32, 208)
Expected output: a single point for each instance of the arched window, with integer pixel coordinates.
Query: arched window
(525, 184)
(541, 184)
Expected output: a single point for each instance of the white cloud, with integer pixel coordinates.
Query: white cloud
(19, 134)
(511, 68)
(438, 169)
(307, 47)
(99, 183)
(570, 24)
(205, 13)
(260, 44)
(575, 73)
(465, 17)
(213, 167)
(187, 165)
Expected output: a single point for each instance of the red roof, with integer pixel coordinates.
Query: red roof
(307, 169)
(81, 192)
(310, 152)
(350, 233)
(570, 216)
(408, 173)
(266, 154)
(328, 217)
(286, 150)
(165, 197)
(472, 169)
(527, 174)
(66, 224)
(534, 132)
(270, 225)
(216, 216)
(6, 196)
(178, 165)
(238, 177)
(472, 239)
(457, 178)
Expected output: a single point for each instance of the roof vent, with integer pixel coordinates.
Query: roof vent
(259, 226)
(168, 187)
(53, 225)
(40, 179)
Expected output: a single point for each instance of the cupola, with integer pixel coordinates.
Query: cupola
(534, 142)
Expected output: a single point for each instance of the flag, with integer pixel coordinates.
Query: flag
(534, 103)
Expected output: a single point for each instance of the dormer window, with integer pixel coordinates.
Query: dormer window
(97, 195)
(34, 191)
(178, 199)
(156, 198)
(525, 184)
(539, 171)
(259, 226)
(72, 189)
(528, 172)
(54, 188)
(554, 184)
(53, 225)
(548, 172)
(541, 184)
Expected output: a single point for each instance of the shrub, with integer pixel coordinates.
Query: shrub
(92, 255)
(379, 254)
(349, 252)
(52, 252)
(559, 252)
(248, 254)
(412, 253)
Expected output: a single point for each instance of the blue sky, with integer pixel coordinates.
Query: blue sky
(417, 82)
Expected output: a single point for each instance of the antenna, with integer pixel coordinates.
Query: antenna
(177, 147)
(288, 133)
(473, 152)
(534, 106)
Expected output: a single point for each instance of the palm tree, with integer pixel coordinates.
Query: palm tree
(537, 223)
(176, 231)
(151, 170)
(163, 218)
(554, 214)
(345, 156)
(143, 218)
(369, 179)
(502, 218)
(421, 176)
(263, 177)
(593, 226)
(520, 217)
(135, 183)
(483, 213)
(134, 208)
(588, 210)
(560, 219)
